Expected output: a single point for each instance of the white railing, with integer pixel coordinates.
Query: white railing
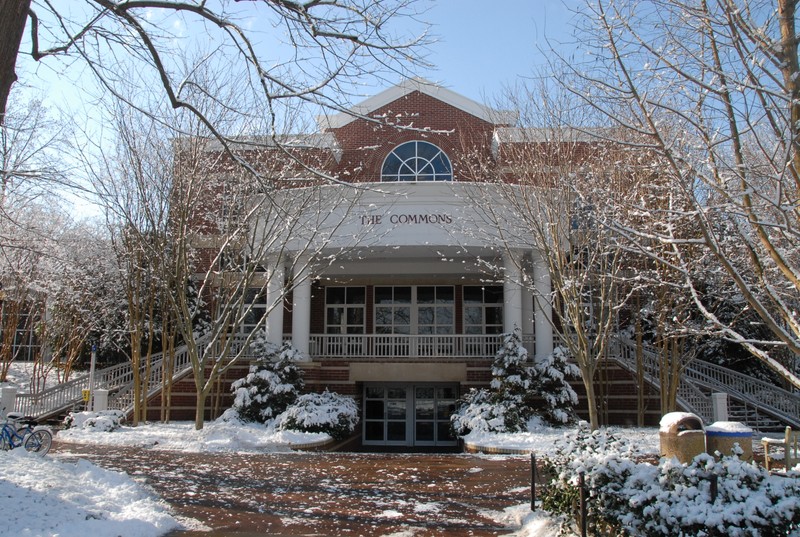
(117, 379)
(699, 373)
(123, 398)
(400, 346)
(689, 395)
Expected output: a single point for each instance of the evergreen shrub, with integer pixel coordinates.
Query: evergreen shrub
(628, 497)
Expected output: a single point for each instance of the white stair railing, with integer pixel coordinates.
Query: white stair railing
(768, 398)
(117, 379)
(689, 396)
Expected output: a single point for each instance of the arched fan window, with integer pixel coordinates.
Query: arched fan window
(417, 161)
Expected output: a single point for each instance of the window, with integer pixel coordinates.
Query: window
(414, 310)
(344, 318)
(256, 300)
(344, 310)
(425, 311)
(483, 309)
(417, 161)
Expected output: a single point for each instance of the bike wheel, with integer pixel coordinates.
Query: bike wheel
(38, 442)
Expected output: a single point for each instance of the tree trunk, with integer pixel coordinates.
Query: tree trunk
(640, 380)
(791, 67)
(591, 402)
(200, 410)
(13, 15)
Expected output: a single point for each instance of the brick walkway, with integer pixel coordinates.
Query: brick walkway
(326, 494)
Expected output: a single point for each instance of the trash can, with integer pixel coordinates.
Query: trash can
(682, 436)
(722, 436)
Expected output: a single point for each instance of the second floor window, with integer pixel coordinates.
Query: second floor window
(417, 161)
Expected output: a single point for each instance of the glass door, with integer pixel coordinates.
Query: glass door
(433, 406)
(409, 414)
(386, 415)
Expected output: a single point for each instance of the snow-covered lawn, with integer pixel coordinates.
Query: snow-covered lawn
(44, 496)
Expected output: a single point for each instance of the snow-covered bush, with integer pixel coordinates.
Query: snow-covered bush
(633, 498)
(270, 387)
(483, 411)
(327, 412)
(103, 421)
(549, 381)
(518, 392)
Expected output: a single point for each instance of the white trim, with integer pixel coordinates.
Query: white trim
(496, 117)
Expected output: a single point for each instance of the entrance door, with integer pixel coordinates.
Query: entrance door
(409, 414)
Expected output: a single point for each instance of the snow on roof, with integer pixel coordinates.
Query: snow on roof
(532, 135)
(497, 117)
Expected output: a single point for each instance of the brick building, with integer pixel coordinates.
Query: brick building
(397, 289)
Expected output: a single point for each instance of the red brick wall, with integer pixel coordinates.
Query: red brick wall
(365, 144)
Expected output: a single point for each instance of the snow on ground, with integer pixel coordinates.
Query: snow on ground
(48, 496)
(45, 496)
(220, 435)
(71, 491)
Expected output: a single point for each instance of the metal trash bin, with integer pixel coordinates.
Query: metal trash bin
(721, 436)
(682, 436)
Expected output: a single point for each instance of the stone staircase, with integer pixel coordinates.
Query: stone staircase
(760, 405)
(118, 380)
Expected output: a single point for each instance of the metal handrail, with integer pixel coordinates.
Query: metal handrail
(117, 379)
(768, 398)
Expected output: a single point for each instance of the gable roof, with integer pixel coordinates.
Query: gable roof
(490, 115)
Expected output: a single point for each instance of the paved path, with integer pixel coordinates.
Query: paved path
(326, 494)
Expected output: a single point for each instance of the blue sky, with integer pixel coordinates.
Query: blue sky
(485, 45)
(481, 47)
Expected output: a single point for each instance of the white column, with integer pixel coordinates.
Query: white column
(301, 307)
(275, 302)
(719, 406)
(100, 400)
(8, 396)
(527, 311)
(512, 293)
(543, 313)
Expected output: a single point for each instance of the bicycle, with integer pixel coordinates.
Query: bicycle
(25, 431)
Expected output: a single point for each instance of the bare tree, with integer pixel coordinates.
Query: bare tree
(546, 185)
(205, 233)
(710, 91)
(77, 272)
(51, 270)
(229, 229)
(316, 49)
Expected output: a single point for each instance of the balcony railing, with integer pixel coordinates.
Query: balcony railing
(401, 346)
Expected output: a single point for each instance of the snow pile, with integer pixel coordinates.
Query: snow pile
(544, 440)
(106, 420)
(49, 497)
(222, 435)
